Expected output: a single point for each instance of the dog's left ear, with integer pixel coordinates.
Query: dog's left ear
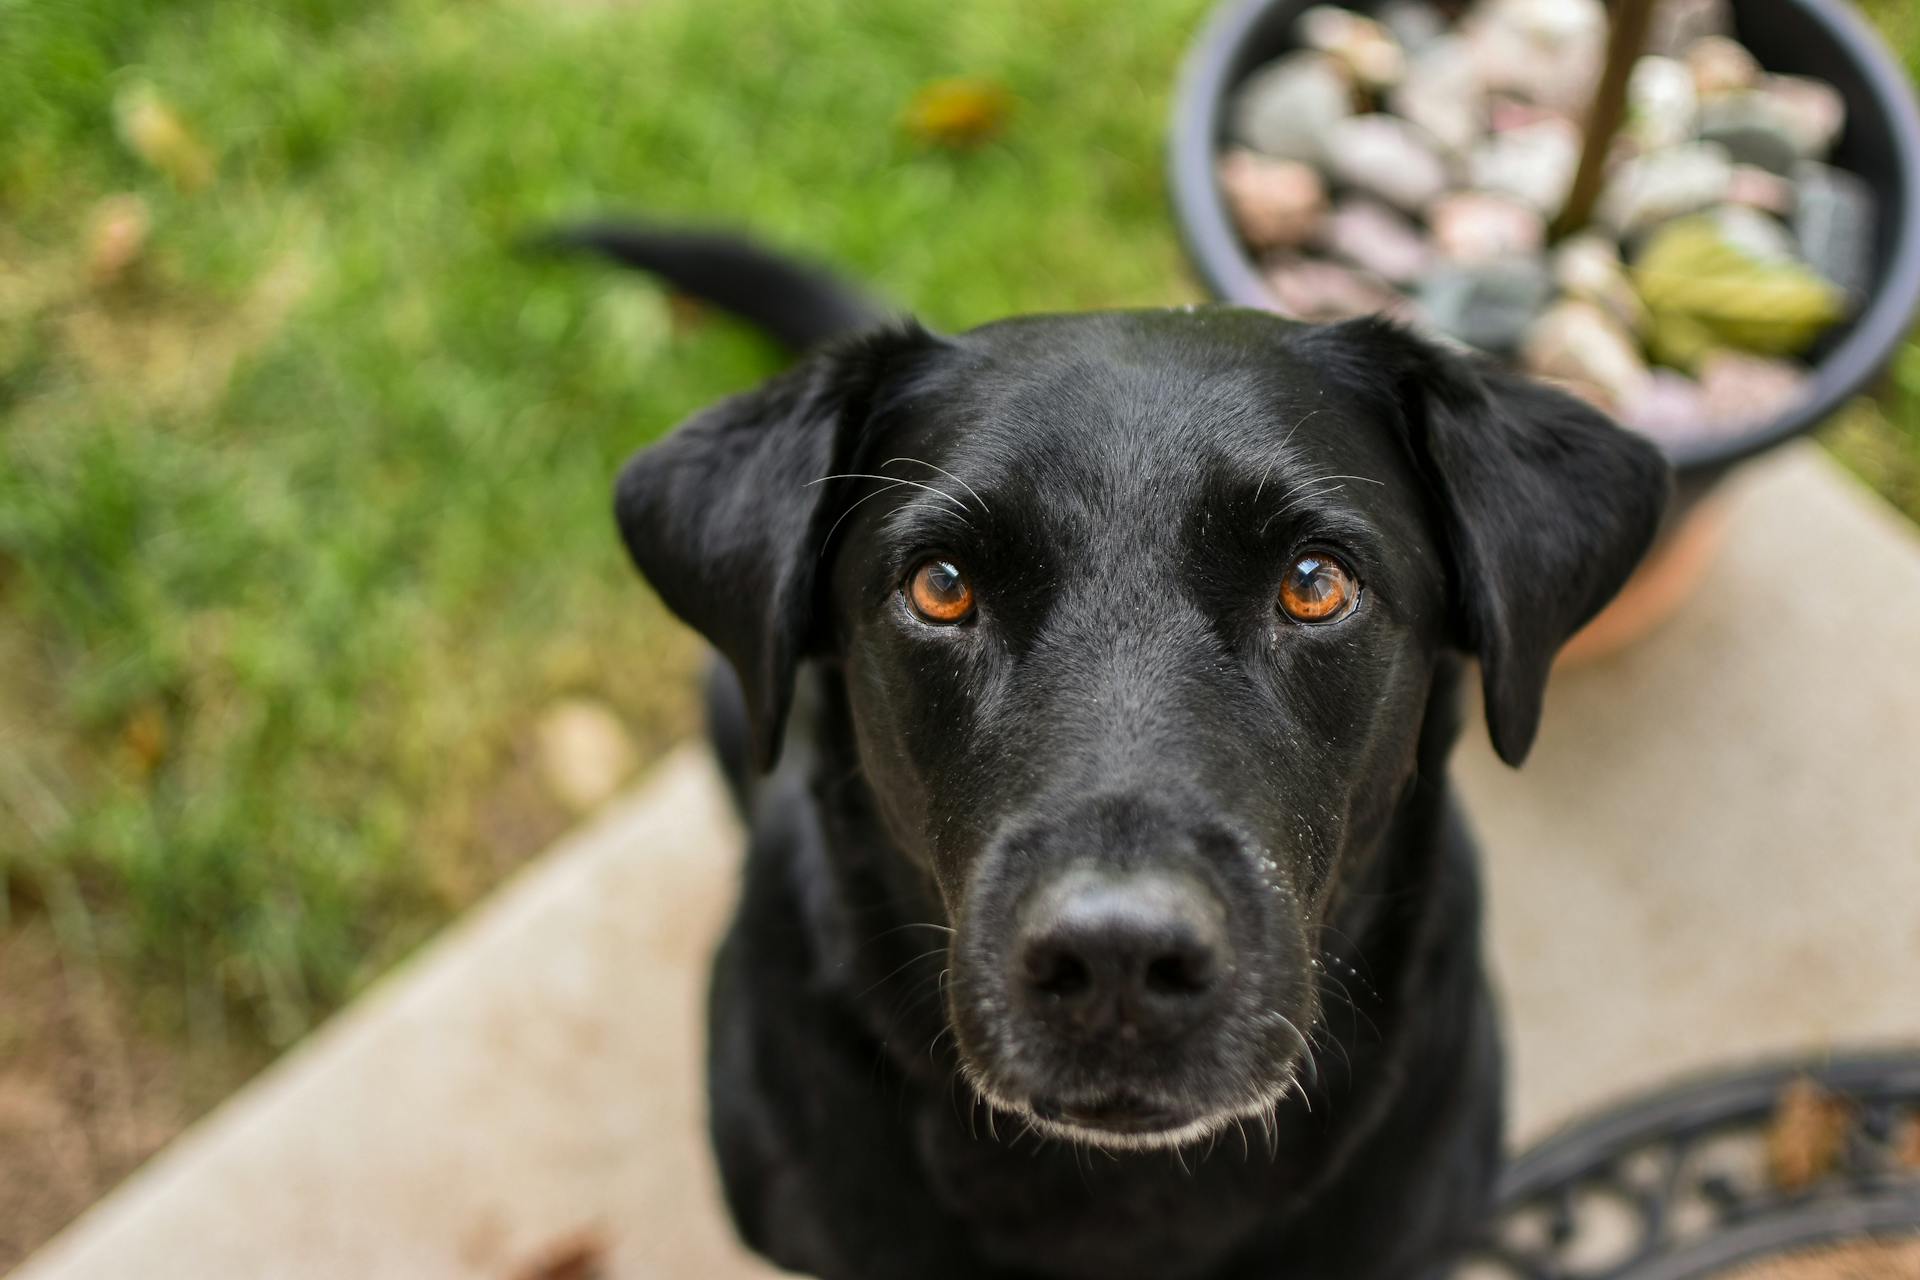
(1547, 505)
(726, 516)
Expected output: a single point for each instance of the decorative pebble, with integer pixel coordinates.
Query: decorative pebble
(1660, 185)
(1533, 163)
(1722, 246)
(1479, 226)
(1662, 105)
(1487, 306)
(1286, 108)
(1813, 112)
(1547, 51)
(1414, 23)
(1752, 127)
(1443, 96)
(1756, 188)
(1505, 114)
(1374, 237)
(1363, 46)
(1742, 390)
(1759, 236)
(1720, 65)
(1834, 223)
(1275, 203)
(1386, 157)
(1704, 292)
(1669, 407)
(1679, 24)
(1580, 342)
(1315, 290)
(1588, 267)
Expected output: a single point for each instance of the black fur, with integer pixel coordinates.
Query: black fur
(1124, 491)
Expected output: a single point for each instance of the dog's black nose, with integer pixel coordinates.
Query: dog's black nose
(1133, 955)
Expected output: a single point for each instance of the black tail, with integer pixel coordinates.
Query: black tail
(799, 305)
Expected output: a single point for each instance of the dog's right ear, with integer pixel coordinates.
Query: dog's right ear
(721, 518)
(1546, 505)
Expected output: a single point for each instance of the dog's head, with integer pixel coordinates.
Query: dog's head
(1137, 616)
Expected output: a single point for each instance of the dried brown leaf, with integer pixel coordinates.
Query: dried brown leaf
(116, 237)
(1808, 1134)
(577, 1257)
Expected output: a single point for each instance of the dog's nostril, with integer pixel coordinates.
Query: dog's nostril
(1058, 973)
(1103, 952)
(1179, 973)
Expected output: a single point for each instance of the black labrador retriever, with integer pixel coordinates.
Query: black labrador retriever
(1107, 914)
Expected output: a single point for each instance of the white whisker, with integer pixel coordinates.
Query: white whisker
(867, 475)
(948, 474)
(824, 542)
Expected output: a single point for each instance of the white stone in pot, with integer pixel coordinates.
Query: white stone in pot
(1533, 163)
(1286, 108)
(1482, 226)
(1385, 156)
(1753, 127)
(1442, 95)
(1756, 188)
(1720, 65)
(1579, 342)
(1650, 189)
(1363, 46)
(1760, 236)
(1588, 267)
(1813, 112)
(1679, 24)
(1416, 24)
(1662, 106)
(1547, 51)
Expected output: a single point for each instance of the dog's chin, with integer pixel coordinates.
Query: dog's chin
(1125, 1121)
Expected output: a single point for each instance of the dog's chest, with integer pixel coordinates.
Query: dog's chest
(1048, 1209)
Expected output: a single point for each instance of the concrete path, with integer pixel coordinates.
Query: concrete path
(1714, 853)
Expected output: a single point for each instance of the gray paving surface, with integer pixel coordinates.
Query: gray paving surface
(1714, 854)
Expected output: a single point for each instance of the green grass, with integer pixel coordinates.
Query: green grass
(304, 519)
(1879, 438)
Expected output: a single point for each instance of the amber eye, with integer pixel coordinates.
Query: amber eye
(939, 592)
(1318, 588)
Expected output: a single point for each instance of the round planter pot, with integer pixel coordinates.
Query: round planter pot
(1821, 38)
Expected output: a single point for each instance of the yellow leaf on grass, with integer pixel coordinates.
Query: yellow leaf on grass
(154, 131)
(959, 112)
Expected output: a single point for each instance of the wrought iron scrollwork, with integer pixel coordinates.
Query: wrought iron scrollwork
(1678, 1186)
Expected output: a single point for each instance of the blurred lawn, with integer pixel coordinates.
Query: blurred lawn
(303, 518)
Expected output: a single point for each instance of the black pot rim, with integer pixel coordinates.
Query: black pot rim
(1855, 361)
